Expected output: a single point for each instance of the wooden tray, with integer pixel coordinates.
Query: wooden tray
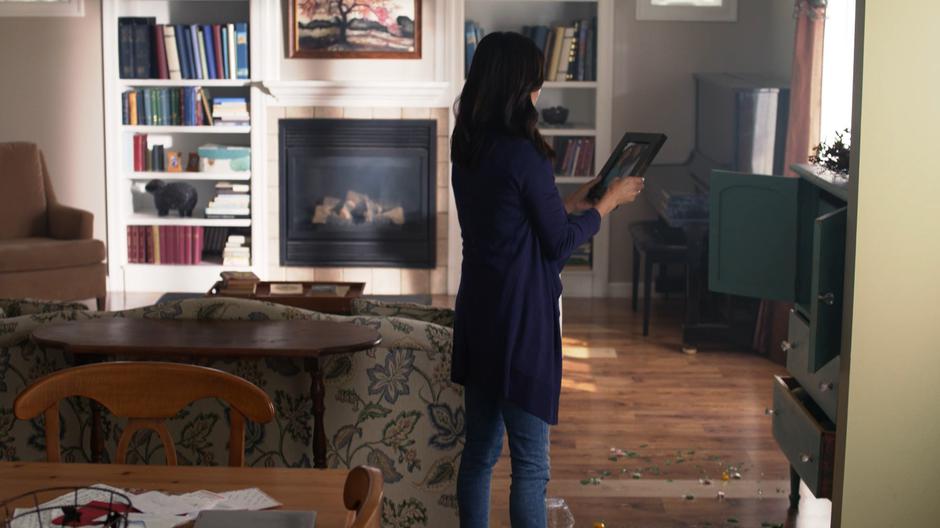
(316, 295)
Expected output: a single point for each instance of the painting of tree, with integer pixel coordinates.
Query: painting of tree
(356, 28)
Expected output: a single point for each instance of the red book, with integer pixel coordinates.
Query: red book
(139, 139)
(152, 246)
(131, 254)
(217, 40)
(197, 245)
(180, 244)
(138, 245)
(165, 256)
(187, 244)
(163, 71)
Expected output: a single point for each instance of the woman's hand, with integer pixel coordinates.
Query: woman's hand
(620, 191)
(577, 201)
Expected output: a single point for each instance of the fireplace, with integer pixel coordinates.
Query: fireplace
(357, 192)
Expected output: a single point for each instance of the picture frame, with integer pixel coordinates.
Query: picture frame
(633, 155)
(354, 29)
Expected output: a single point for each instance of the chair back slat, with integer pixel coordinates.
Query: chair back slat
(135, 425)
(147, 393)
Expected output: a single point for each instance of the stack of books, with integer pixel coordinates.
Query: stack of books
(574, 156)
(230, 111)
(238, 283)
(237, 253)
(164, 244)
(151, 154)
(232, 200)
(148, 50)
(187, 106)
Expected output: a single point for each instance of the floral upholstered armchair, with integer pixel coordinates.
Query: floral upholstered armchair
(392, 407)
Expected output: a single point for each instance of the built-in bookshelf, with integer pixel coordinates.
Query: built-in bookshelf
(148, 251)
(587, 94)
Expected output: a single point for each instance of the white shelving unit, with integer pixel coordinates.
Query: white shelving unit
(127, 206)
(590, 102)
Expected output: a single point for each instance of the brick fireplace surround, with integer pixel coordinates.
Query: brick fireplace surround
(379, 281)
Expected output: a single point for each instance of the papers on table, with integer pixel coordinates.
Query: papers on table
(157, 509)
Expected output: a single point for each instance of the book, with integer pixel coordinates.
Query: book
(203, 56)
(159, 47)
(181, 51)
(198, 234)
(194, 48)
(143, 67)
(223, 40)
(126, 47)
(566, 55)
(153, 246)
(241, 50)
(557, 44)
(232, 68)
(217, 48)
(172, 53)
(209, 43)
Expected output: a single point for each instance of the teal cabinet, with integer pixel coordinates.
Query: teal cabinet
(752, 235)
(780, 238)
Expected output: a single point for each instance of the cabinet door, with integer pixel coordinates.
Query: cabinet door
(825, 332)
(753, 235)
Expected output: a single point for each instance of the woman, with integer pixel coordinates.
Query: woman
(517, 233)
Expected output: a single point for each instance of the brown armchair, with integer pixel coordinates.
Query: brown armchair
(46, 249)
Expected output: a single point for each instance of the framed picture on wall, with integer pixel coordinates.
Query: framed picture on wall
(350, 29)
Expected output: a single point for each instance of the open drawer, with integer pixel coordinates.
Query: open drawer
(805, 435)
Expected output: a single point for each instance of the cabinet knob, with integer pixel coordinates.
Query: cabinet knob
(827, 298)
(826, 386)
(786, 346)
(806, 459)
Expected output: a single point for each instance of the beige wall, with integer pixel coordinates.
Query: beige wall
(654, 91)
(51, 94)
(888, 456)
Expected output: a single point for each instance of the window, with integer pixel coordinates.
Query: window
(838, 65)
(688, 10)
(33, 8)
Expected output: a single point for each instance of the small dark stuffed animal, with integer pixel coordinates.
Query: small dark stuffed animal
(176, 195)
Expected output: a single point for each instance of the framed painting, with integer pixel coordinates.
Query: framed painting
(350, 29)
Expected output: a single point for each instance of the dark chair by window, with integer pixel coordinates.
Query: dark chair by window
(655, 244)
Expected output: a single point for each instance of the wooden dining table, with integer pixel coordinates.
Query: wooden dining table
(96, 339)
(298, 489)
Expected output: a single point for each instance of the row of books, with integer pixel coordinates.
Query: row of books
(165, 244)
(570, 51)
(232, 200)
(574, 156)
(176, 244)
(148, 50)
(188, 106)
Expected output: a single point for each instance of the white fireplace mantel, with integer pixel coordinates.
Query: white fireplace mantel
(421, 94)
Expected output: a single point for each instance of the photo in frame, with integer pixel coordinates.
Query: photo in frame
(348, 29)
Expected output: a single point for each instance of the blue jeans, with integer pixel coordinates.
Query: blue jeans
(488, 415)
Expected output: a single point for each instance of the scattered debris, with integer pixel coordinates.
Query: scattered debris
(704, 482)
(721, 495)
(689, 496)
(637, 475)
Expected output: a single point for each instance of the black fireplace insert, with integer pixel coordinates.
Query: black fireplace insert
(357, 192)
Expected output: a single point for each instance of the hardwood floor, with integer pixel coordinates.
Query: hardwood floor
(677, 419)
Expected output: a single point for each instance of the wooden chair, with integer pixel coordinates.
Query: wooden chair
(147, 394)
(362, 496)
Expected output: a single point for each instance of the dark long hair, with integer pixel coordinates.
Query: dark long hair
(496, 98)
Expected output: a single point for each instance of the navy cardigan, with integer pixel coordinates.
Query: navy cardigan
(516, 238)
